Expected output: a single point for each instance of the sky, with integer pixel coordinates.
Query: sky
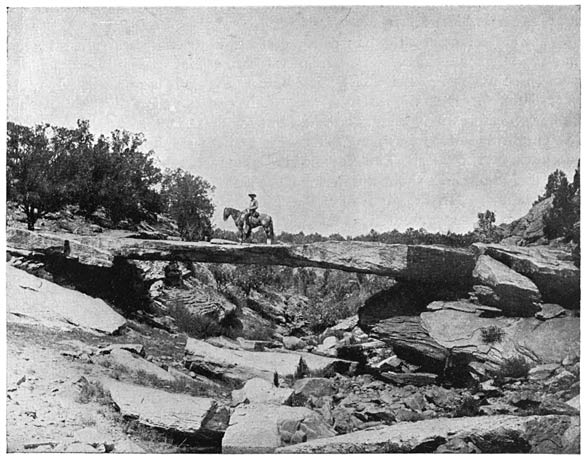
(341, 119)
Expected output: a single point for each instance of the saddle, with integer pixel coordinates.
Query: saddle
(253, 219)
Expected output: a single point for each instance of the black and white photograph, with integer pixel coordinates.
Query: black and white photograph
(299, 229)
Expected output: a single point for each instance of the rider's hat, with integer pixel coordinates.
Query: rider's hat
(252, 195)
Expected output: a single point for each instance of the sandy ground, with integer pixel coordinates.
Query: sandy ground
(45, 404)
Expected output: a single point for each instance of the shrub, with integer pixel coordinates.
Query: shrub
(468, 407)
(259, 332)
(301, 370)
(254, 277)
(94, 391)
(492, 334)
(222, 273)
(330, 311)
(176, 386)
(514, 367)
(201, 327)
(235, 295)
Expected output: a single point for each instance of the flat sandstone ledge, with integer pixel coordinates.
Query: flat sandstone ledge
(495, 432)
(424, 263)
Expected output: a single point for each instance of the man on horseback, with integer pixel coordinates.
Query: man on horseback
(250, 218)
(251, 211)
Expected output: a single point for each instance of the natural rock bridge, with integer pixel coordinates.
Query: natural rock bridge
(424, 263)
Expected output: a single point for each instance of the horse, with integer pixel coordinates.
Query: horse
(263, 220)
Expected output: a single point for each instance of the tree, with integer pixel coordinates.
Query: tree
(485, 225)
(565, 211)
(36, 177)
(577, 177)
(48, 167)
(186, 198)
(554, 182)
(74, 149)
(129, 177)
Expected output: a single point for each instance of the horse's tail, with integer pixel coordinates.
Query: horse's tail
(271, 232)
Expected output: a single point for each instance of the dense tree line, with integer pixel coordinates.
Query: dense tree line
(49, 167)
(409, 236)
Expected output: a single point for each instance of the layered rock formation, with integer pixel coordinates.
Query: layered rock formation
(49, 304)
(551, 270)
(530, 228)
(410, 262)
(449, 329)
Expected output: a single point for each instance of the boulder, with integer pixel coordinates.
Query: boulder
(551, 270)
(328, 347)
(306, 388)
(293, 343)
(530, 227)
(345, 324)
(164, 410)
(540, 372)
(485, 295)
(534, 340)
(255, 429)
(469, 338)
(551, 405)
(550, 311)
(416, 402)
(550, 341)
(53, 305)
(392, 363)
(367, 354)
(240, 365)
(489, 434)
(516, 294)
(411, 341)
(198, 301)
(252, 345)
(259, 390)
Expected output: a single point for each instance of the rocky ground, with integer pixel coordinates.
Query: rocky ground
(152, 356)
(55, 398)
